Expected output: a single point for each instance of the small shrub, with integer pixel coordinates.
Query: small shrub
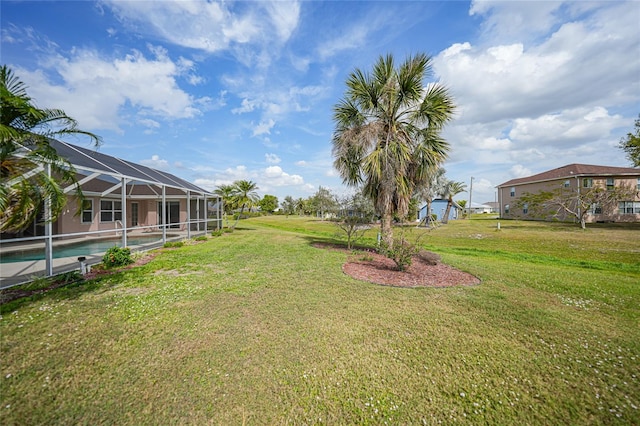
(68, 277)
(173, 244)
(366, 257)
(228, 230)
(200, 238)
(117, 256)
(401, 253)
(352, 227)
(216, 233)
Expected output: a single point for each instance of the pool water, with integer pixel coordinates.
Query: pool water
(83, 248)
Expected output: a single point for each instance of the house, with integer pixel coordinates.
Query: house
(438, 208)
(493, 205)
(480, 208)
(122, 200)
(574, 179)
(121, 194)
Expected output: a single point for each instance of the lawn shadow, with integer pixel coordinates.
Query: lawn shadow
(337, 243)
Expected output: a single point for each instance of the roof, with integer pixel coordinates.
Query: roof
(441, 200)
(573, 170)
(479, 206)
(92, 160)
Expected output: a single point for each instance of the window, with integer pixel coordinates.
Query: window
(506, 209)
(611, 183)
(567, 183)
(596, 208)
(110, 211)
(638, 184)
(587, 183)
(525, 208)
(512, 192)
(87, 211)
(629, 207)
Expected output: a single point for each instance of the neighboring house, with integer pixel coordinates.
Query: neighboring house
(493, 205)
(480, 208)
(439, 207)
(121, 194)
(575, 178)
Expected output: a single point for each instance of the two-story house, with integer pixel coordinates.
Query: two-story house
(574, 179)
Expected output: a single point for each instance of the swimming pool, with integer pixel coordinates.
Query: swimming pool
(80, 248)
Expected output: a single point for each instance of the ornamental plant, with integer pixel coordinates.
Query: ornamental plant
(117, 256)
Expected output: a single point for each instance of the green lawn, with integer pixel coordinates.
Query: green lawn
(260, 327)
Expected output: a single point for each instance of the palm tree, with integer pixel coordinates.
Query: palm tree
(226, 192)
(288, 205)
(430, 188)
(451, 189)
(387, 134)
(31, 171)
(301, 204)
(244, 195)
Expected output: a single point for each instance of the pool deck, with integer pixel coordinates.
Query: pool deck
(14, 273)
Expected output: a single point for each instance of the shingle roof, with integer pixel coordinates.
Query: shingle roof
(573, 170)
(83, 158)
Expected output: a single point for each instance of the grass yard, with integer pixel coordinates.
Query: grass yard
(259, 327)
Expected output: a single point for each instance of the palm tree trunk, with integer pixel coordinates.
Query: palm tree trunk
(239, 216)
(445, 218)
(386, 230)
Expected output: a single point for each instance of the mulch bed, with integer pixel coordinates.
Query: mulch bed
(426, 270)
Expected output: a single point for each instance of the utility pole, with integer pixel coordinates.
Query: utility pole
(470, 191)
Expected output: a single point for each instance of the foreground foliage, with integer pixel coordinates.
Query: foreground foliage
(31, 171)
(630, 144)
(260, 327)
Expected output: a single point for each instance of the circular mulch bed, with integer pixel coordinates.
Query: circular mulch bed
(426, 270)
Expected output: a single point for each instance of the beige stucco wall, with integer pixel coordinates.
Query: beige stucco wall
(505, 198)
(69, 222)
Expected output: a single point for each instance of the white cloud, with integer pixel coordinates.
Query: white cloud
(272, 158)
(518, 171)
(516, 19)
(147, 122)
(301, 163)
(275, 176)
(156, 163)
(569, 68)
(264, 127)
(534, 93)
(94, 89)
(209, 184)
(268, 179)
(570, 127)
(284, 17)
(354, 37)
(237, 173)
(248, 29)
(246, 106)
(151, 125)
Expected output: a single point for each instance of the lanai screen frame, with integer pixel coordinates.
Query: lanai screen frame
(123, 175)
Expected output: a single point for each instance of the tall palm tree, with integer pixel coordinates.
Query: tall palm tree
(451, 189)
(301, 204)
(226, 192)
(244, 195)
(430, 188)
(31, 171)
(387, 134)
(289, 205)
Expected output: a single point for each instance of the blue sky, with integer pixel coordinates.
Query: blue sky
(215, 92)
